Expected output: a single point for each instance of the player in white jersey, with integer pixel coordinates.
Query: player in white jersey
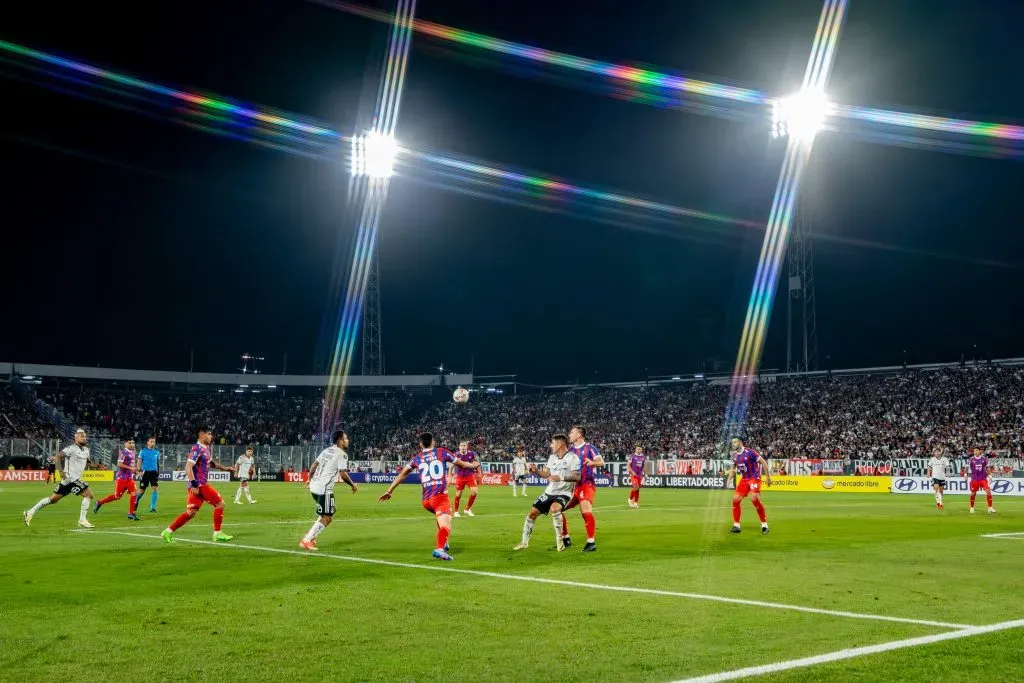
(323, 475)
(244, 468)
(70, 463)
(562, 471)
(519, 472)
(939, 468)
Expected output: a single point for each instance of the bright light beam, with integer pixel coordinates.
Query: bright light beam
(773, 249)
(801, 116)
(373, 155)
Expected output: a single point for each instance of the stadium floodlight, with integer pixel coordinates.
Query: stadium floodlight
(373, 155)
(801, 115)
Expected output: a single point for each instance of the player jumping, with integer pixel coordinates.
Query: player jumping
(149, 461)
(519, 471)
(749, 464)
(431, 463)
(322, 476)
(465, 477)
(636, 475)
(586, 487)
(979, 469)
(244, 469)
(197, 471)
(562, 470)
(938, 470)
(124, 482)
(70, 463)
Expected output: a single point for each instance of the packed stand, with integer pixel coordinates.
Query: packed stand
(19, 420)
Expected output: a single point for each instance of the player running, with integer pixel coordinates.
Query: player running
(563, 469)
(979, 469)
(244, 470)
(51, 471)
(431, 463)
(197, 471)
(586, 487)
(149, 462)
(322, 476)
(70, 463)
(519, 471)
(938, 470)
(124, 480)
(636, 474)
(749, 464)
(466, 477)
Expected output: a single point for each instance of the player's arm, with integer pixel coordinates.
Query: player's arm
(58, 460)
(398, 480)
(597, 461)
(467, 465)
(190, 477)
(767, 470)
(312, 471)
(345, 478)
(121, 465)
(217, 466)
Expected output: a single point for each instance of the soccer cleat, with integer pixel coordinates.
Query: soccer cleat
(308, 545)
(152, 509)
(85, 524)
(457, 514)
(446, 546)
(523, 546)
(938, 506)
(764, 530)
(27, 517)
(97, 507)
(972, 511)
(567, 541)
(168, 535)
(590, 547)
(253, 502)
(469, 513)
(559, 545)
(134, 517)
(443, 555)
(734, 530)
(221, 537)
(238, 502)
(991, 511)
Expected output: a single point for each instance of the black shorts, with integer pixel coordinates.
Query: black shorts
(150, 478)
(324, 503)
(520, 478)
(939, 482)
(243, 480)
(544, 503)
(51, 468)
(74, 486)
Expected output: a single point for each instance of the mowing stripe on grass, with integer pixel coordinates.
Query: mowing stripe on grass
(554, 582)
(830, 657)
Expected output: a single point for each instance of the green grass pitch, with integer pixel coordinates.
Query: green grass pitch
(100, 606)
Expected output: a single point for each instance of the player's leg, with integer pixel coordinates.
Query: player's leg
(444, 529)
(531, 519)
(119, 487)
(57, 494)
(988, 496)
(938, 494)
(133, 501)
(742, 489)
(755, 499)
(87, 500)
(143, 485)
(153, 496)
(248, 492)
(325, 515)
(472, 499)
(573, 502)
(556, 522)
(238, 493)
(212, 497)
(460, 484)
(587, 509)
(974, 492)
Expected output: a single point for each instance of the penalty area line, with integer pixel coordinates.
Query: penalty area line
(1014, 536)
(552, 582)
(851, 653)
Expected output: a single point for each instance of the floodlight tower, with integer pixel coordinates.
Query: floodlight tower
(373, 158)
(801, 295)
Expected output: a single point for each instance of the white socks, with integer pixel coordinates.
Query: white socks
(85, 508)
(556, 519)
(315, 530)
(938, 497)
(39, 506)
(524, 490)
(238, 495)
(247, 494)
(527, 530)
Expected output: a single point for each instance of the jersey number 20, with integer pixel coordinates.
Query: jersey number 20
(431, 472)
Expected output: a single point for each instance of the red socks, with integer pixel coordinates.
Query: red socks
(761, 514)
(972, 499)
(218, 518)
(590, 523)
(635, 496)
(988, 497)
(109, 499)
(181, 521)
(132, 500)
(736, 512)
(469, 505)
(458, 499)
(442, 536)
(565, 526)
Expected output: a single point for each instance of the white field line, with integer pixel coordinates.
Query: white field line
(1016, 535)
(851, 653)
(554, 582)
(377, 520)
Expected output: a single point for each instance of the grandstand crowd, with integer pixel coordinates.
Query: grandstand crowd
(905, 414)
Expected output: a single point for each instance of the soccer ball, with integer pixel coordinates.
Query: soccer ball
(460, 395)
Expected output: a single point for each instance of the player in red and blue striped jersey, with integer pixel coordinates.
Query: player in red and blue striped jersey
(636, 474)
(466, 477)
(978, 469)
(586, 487)
(432, 464)
(197, 473)
(749, 464)
(127, 466)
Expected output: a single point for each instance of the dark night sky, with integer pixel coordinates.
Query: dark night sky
(141, 238)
